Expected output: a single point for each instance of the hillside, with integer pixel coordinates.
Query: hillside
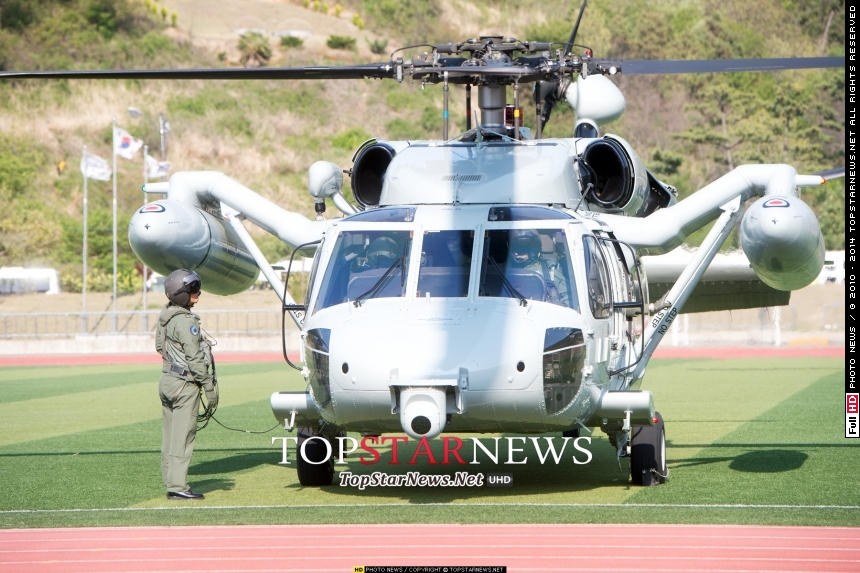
(689, 129)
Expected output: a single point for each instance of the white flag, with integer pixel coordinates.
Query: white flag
(94, 167)
(157, 168)
(124, 144)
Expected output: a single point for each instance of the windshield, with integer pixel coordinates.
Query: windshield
(531, 264)
(358, 264)
(446, 257)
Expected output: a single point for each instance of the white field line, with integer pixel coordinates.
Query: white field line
(198, 558)
(440, 504)
(446, 546)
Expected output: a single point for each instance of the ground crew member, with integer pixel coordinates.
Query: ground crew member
(187, 358)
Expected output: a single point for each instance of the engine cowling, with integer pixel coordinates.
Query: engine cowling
(619, 180)
(168, 235)
(782, 240)
(368, 172)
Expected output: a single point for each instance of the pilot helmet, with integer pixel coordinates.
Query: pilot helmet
(180, 285)
(524, 246)
(382, 252)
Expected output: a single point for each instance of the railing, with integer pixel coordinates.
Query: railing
(257, 322)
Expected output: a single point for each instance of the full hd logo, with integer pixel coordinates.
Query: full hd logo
(852, 415)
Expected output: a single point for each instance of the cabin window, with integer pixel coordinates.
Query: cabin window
(366, 265)
(597, 279)
(532, 264)
(446, 258)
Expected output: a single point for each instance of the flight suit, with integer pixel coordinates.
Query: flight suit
(187, 358)
(556, 284)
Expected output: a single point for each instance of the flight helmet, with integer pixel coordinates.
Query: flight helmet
(180, 285)
(524, 246)
(382, 252)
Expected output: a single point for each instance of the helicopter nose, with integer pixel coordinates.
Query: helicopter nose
(422, 413)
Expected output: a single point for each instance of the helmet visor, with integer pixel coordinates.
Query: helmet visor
(191, 284)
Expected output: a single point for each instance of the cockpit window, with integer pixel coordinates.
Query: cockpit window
(365, 265)
(387, 215)
(446, 257)
(597, 279)
(528, 264)
(525, 213)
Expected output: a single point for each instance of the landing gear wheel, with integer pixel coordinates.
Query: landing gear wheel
(648, 454)
(313, 471)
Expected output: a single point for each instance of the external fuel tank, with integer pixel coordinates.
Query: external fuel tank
(169, 235)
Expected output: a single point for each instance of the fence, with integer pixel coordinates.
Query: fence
(267, 322)
(258, 322)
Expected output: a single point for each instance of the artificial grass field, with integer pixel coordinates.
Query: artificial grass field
(751, 441)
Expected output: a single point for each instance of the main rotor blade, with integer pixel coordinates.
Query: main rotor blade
(573, 32)
(643, 67)
(384, 70)
(832, 173)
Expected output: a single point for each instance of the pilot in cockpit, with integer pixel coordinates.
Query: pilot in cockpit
(524, 255)
(382, 252)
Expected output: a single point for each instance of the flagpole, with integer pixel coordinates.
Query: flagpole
(84, 325)
(145, 181)
(113, 141)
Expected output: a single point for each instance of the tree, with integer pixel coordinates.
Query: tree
(256, 50)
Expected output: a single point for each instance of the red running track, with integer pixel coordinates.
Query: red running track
(223, 357)
(338, 548)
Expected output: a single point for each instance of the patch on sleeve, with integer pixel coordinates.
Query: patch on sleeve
(194, 330)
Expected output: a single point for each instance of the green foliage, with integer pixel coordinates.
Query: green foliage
(210, 98)
(273, 248)
(255, 49)
(431, 121)
(99, 241)
(235, 123)
(98, 280)
(665, 163)
(828, 202)
(74, 33)
(553, 30)
(19, 160)
(103, 15)
(350, 139)
(378, 46)
(336, 42)
(399, 129)
(17, 14)
(291, 42)
(418, 20)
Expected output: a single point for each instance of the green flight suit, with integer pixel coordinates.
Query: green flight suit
(187, 357)
(553, 276)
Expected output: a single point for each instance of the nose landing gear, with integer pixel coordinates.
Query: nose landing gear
(648, 454)
(316, 467)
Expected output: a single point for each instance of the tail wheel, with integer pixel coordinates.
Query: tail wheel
(313, 468)
(648, 454)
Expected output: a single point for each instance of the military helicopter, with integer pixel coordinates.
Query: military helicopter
(493, 281)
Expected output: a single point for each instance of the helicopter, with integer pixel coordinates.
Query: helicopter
(492, 281)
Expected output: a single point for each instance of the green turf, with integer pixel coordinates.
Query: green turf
(765, 434)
